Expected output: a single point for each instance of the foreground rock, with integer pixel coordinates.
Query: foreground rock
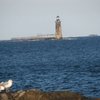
(39, 95)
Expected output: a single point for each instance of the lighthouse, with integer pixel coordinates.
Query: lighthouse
(58, 31)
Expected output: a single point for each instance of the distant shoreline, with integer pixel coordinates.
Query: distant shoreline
(63, 38)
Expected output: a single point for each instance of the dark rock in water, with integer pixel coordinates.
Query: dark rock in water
(39, 95)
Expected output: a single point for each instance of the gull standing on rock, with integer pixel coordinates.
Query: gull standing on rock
(5, 85)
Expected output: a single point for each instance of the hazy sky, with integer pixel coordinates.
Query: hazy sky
(30, 17)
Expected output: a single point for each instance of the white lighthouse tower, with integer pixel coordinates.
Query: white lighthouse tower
(58, 30)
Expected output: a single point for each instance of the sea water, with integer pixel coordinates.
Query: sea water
(53, 65)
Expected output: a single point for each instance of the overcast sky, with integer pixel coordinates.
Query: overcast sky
(20, 18)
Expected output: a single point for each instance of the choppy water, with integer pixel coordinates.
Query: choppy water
(53, 65)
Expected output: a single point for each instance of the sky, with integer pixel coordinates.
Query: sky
(22, 18)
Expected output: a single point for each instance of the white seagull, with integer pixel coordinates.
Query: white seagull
(5, 85)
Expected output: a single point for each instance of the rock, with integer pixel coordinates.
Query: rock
(6, 96)
(40, 95)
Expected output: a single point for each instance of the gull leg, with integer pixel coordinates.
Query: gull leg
(7, 90)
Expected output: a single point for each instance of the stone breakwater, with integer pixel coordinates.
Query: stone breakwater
(40, 95)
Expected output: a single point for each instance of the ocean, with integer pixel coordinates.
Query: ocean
(53, 65)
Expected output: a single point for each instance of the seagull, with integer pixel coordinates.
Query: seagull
(5, 85)
(1, 87)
